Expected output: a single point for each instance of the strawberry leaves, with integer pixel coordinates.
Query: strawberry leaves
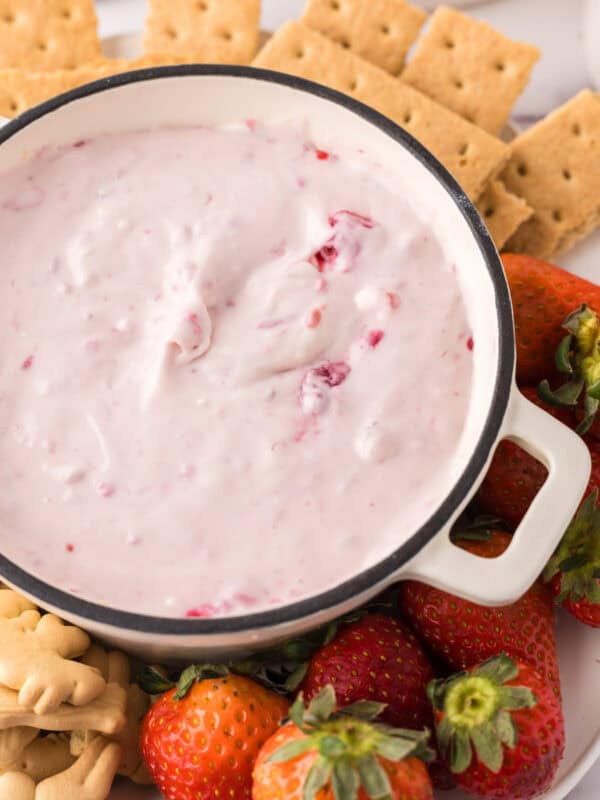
(153, 681)
(349, 746)
(578, 357)
(474, 713)
(576, 561)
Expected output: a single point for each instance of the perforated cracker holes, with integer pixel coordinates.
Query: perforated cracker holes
(502, 212)
(216, 31)
(380, 31)
(555, 167)
(470, 68)
(471, 154)
(41, 35)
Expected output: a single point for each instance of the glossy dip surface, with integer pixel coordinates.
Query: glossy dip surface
(234, 368)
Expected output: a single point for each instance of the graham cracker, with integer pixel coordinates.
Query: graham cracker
(469, 153)
(41, 35)
(555, 167)
(471, 68)
(380, 31)
(214, 31)
(502, 212)
(20, 90)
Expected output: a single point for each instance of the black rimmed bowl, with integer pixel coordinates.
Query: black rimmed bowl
(195, 95)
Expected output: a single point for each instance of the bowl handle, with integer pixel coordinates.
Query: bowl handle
(503, 580)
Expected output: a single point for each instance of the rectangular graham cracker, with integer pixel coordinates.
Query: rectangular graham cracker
(213, 31)
(469, 153)
(502, 212)
(555, 167)
(20, 90)
(380, 31)
(40, 35)
(470, 68)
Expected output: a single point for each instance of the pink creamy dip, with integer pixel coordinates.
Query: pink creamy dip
(234, 368)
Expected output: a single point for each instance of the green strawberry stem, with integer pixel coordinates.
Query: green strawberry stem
(577, 558)
(578, 356)
(474, 713)
(480, 529)
(280, 669)
(348, 743)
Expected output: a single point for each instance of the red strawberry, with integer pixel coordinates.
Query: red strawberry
(464, 633)
(501, 728)
(514, 478)
(543, 296)
(201, 741)
(574, 570)
(323, 754)
(376, 658)
(344, 246)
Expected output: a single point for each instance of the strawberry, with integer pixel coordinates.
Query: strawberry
(464, 633)
(578, 357)
(323, 754)
(543, 296)
(501, 728)
(375, 658)
(200, 741)
(514, 477)
(574, 570)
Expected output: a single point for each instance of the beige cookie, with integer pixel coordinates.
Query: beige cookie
(468, 152)
(17, 786)
(44, 757)
(12, 744)
(48, 34)
(555, 168)
(212, 31)
(105, 714)
(502, 211)
(35, 661)
(90, 778)
(115, 668)
(13, 604)
(471, 68)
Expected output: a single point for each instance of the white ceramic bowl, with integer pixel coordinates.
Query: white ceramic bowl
(194, 95)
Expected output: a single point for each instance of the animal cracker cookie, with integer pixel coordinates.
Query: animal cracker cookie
(105, 714)
(35, 662)
(13, 604)
(44, 757)
(381, 31)
(89, 778)
(12, 744)
(115, 668)
(17, 786)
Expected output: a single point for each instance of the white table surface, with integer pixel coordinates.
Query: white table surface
(558, 27)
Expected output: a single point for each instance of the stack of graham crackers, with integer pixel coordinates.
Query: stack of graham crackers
(538, 195)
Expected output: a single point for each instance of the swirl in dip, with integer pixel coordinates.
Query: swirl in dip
(234, 369)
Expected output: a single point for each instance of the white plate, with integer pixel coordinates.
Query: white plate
(579, 647)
